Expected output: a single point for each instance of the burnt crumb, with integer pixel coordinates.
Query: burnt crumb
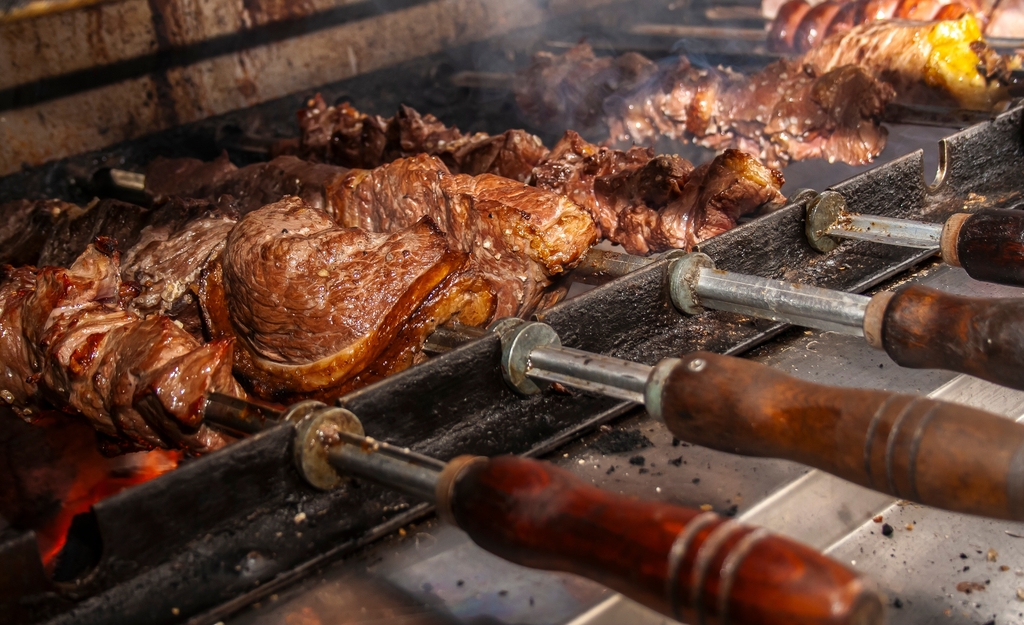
(992, 622)
(897, 603)
(967, 568)
(620, 441)
(886, 530)
(642, 471)
(963, 556)
(531, 602)
(969, 587)
(460, 583)
(675, 442)
(610, 470)
(696, 480)
(559, 388)
(732, 510)
(637, 461)
(502, 593)
(676, 462)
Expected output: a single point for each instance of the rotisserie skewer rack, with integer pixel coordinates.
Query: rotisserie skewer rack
(458, 403)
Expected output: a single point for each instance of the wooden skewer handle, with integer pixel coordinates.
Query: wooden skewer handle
(926, 328)
(936, 453)
(989, 244)
(694, 566)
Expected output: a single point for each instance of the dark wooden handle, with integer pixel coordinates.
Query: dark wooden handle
(990, 246)
(936, 453)
(690, 565)
(926, 328)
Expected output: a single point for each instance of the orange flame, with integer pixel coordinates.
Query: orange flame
(97, 478)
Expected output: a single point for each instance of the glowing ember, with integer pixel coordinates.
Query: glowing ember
(96, 480)
(52, 470)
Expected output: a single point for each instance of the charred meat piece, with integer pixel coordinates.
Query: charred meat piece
(341, 135)
(76, 228)
(787, 111)
(252, 186)
(780, 113)
(575, 166)
(25, 225)
(67, 342)
(647, 203)
(314, 306)
(187, 177)
(518, 236)
(569, 90)
(60, 241)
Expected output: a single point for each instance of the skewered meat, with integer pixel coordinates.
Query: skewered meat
(801, 25)
(569, 90)
(252, 186)
(927, 63)
(410, 188)
(163, 268)
(26, 226)
(815, 19)
(318, 309)
(647, 203)
(788, 111)
(341, 135)
(55, 233)
(518, 236)
(140, 382)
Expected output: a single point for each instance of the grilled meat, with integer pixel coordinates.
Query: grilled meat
(66, 341)
(933, 63)
(647, 203)
(341, 135)
(569, 90)
(799, 25)
(318, 309)
(518, 236)
(252, 186)
(788, 111)
(161, 271)
(25, 227)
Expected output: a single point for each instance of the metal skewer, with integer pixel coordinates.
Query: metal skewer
(586, 531)
(988, 244)
(738, 406)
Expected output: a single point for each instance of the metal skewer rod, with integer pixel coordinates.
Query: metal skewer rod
(742, 407)
(696, 284)
(585, 530)
(888, 230)
(988, 244)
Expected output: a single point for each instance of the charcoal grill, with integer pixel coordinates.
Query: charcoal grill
(159, 553)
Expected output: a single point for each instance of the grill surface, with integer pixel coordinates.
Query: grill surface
(158, 553)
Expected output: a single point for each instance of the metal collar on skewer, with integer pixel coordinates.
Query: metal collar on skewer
(683, 274)
(313, 436)
(823, 212)
(517, 343)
